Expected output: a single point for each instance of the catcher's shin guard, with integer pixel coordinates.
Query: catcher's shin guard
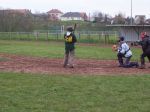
(120, 59)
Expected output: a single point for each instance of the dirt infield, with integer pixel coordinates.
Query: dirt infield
(25, 64)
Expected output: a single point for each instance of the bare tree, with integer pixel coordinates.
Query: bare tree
(102, 18)
(11, 20)
(119, 19)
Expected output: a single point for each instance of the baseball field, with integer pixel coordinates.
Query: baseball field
(32, 79)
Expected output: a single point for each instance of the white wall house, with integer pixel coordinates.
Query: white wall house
(72, 16)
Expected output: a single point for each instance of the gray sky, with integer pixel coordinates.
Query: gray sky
(111, 7)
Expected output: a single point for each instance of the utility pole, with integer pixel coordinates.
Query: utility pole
(131, 14)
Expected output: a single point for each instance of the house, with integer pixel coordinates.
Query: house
(54, 14)
(147, 21)
(140, 19)
(74, 16)
(84, 16)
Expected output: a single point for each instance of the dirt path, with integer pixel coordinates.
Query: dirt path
(25, 64)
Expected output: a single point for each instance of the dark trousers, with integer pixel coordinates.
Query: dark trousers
(126, 63)
(145, 54)
(120, 58)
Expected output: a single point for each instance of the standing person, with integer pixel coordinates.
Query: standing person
(124, 52)
(145, 43)
(70, 40)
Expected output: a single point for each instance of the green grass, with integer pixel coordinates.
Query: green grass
(32, 48)
(56, 50)
(44, 93)
(3, 59)
(59, 93)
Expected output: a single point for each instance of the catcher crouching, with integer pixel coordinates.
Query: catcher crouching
(124, 54)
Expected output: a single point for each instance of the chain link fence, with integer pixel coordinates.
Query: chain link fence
(82, 36)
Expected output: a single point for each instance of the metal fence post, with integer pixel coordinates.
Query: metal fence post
(10, 35)
(79, 35)
(47, 35)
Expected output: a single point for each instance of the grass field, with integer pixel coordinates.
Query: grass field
(56, 49)
(44, 93)
(60, 93)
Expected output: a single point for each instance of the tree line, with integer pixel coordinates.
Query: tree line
(12, 21)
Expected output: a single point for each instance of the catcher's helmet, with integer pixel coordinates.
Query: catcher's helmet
(121, 38)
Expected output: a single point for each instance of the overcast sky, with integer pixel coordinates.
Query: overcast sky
(111, 7)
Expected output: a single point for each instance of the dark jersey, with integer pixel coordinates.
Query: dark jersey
(70, 40)
(145, 43)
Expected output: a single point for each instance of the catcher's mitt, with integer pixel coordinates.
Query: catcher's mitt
(114, 48)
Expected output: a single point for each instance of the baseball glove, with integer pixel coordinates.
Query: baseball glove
(114, 48)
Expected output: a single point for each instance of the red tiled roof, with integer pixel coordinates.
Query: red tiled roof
(54, 11)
